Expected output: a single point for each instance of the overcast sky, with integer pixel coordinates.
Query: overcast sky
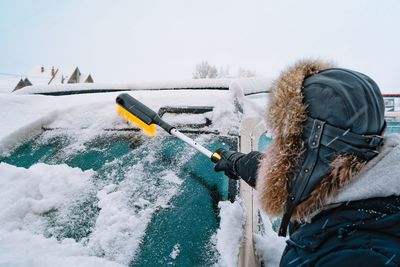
(121, 41)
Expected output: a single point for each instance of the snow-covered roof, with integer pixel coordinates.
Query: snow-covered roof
(40, 76)
(62, 74)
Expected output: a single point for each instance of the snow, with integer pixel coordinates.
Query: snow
(171, 177)
(30, 195)
(182, 84)
(8, 83)
(251, 86)
(268, 245)
(175, 252)
(39, 201)
(27, 114)
(244, 86)
(119, 229)
(20, 248)
(176, 119)
(230, 233)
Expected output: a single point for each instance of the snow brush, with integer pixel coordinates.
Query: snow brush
(145, 118)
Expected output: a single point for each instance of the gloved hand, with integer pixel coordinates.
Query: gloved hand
(227, 163)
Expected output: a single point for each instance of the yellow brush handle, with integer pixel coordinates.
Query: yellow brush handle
(215, 157)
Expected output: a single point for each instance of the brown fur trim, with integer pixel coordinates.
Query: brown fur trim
(344, 170)
(285, 119)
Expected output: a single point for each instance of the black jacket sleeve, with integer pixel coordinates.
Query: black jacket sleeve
(246, 167)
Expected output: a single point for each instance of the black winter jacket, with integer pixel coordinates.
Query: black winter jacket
(356, 233)
(359, 233)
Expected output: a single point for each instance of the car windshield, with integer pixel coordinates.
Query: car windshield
(140, 201)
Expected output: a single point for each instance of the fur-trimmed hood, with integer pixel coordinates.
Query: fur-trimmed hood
(286, 118)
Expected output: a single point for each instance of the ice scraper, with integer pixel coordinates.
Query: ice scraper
(145, 118)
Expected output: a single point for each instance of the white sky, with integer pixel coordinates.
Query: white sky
(121, 41)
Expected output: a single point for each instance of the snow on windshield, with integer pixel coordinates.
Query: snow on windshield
(38, 200)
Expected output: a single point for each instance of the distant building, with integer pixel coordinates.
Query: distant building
(75, 77)
(89, 79)
(19, 85)
(392, 107)
(22, 83)
(42, 75)
(27, 82)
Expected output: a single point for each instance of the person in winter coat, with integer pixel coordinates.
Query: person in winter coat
(329, 172)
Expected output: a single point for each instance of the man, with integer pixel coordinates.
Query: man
(329, 172)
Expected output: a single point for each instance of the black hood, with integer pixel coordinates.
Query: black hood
(345, 115)
(346, 99)
(326, 124)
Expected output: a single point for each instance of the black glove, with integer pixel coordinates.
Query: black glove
(227, 163)
(237, 165)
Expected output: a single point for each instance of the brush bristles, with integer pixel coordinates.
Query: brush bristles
(150, 130)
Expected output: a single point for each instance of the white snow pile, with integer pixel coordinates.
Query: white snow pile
(21, 248)
(135, 86)
(181, 119)
(230, 233)
(40, 202)
(269, 246)
(27, 196)
(246, 85)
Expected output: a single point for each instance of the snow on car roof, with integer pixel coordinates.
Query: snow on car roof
(246, 85)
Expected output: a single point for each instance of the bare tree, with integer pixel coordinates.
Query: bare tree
(223, 72)
(204, 70)
(245, 73)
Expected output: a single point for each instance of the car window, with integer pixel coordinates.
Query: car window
(165, 192)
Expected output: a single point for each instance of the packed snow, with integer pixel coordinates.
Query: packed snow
(246, 86)
(21, 248)
(181, 119)
(230, 234)
(28, 195)
(268, 245)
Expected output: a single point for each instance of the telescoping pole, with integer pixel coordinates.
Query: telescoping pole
(191, 142)
(139, 114)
